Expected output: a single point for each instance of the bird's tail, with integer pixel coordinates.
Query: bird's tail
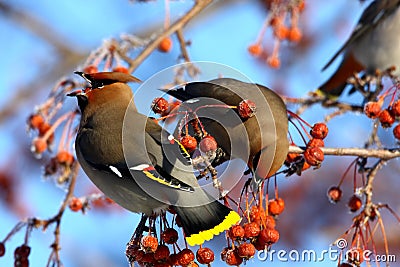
(201, 223)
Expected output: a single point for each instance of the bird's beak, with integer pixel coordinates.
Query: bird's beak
(76, 93)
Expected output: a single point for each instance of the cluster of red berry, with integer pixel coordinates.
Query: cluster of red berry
(21, 254)
(279, 12)
(313, 155)
(258, 233)
(386, 116)
(149, 251)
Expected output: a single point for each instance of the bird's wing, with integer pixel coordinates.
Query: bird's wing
(376, 12)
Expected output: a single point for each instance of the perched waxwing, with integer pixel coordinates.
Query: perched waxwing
(132, 160)
(265, 131)
(373, 45)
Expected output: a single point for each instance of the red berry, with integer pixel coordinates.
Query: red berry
(396, 108)
(159, 105)
(255, 50)
(2, 249)
(372, 109)
(396, 131)
(165, 45)
(39, 146)
(319, 130)
(121, 69)
(247, 109)
(149, 243)
(204, 255)
(188, 142)
(236, 232)
(185, 257)
(315, 142)
(90, 69)
(386, 118)
(274, 62)
(169, 236)
(276, 206)
(294, 34)
(22, 252)
(246, 250)
(251, 229)
(269, 236)
(75, 204)
(270, 222)
(64, 157)
(23, 262)
(173, 259)
(354, 203)
(35, 121)
(334, 194)
(161, 253)
(147, 258)
(207, 144)
(314, 156)
(231, 257)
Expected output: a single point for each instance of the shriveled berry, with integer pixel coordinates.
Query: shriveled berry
(246, 250)
(305, 166)
(259, 244)
(22, 252)
(255, 50)
(396, 108)
(396, 131)
(251, 229)
(355, 256)
(35, 121)
(319, 130)
(149, 243)
(65, 157)
(236, 232)
(247, 109)
(276, 206)
(334, 194)
(315, 142)
(75, 204)
(188, 142)
(173, 260)
(23, 262)
(386, 118)
(208, 143)
(205, 255)
(232, 258)
(159, 105)
(372, 109)
(314, 156)
(2, 249)
(354, 203)
(269, 222)
(165, 45)
(121, 69)
(292, 157)
(161, 253)
(269, 235)
(185, 256)
(255, 214)
(147, 258)
(90, 69)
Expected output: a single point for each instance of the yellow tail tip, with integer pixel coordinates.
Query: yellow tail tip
(197, 239)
